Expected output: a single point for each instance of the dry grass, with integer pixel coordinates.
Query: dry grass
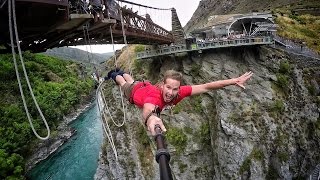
(125, 60)
(304, 28)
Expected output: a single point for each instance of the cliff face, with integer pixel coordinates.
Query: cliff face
(270, 130)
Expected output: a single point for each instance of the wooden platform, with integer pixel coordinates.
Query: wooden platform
(75, 21)
(103, 23)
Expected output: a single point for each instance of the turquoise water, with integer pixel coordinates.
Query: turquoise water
(77, 159)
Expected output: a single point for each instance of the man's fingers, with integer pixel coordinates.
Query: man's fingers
(241, 85)
(152, 131)
(162, 127)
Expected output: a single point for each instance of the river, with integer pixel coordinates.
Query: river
(77, 159)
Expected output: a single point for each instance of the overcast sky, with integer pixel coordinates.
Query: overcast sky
(185, 9)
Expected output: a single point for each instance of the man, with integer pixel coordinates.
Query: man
(169, 92)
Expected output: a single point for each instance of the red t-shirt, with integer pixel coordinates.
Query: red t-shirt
(148, 93)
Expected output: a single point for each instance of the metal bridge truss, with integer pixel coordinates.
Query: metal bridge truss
(77, 29)
(137, 29)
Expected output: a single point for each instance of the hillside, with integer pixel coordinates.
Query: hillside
(298, 20)
(79, 55)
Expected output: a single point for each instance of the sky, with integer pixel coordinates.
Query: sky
(184, 8)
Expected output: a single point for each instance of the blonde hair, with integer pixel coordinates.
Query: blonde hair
(172, 74)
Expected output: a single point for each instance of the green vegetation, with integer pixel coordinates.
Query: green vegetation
(203, 135)
(142, 136)
(182, 167)
(245, 166)
(272, 173)
(277, 106)
(301, 27)
(177, 108)
(283, 156)
(282, 80)
(57, 88)
(192, 105)
(195, 70)
(196, 103)
(285, 67)
(139, 48)
(256, 154)
(177, 138)
(280, 143)
(283, 75)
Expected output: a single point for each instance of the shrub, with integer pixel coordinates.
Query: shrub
(177, 138)
(285, 67)
(195, 70)
(257, 154)
(282, 80)
(277, 106)
(245, 166)
(139, 48)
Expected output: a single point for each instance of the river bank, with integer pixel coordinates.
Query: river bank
(62, 134)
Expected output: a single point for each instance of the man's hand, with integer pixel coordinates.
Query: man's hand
(152, 121)
(243, 78)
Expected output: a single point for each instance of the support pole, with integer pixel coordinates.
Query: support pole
(162, 155)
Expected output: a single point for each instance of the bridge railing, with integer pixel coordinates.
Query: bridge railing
(133, 20)
(205, 45)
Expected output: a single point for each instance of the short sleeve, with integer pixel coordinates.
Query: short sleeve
(184, 91)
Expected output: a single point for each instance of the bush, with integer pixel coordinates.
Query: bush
(245, 166)
(139, 48)
(282, 80)
(177, 138)
(195, 70)
(285, 67)
(278, 106)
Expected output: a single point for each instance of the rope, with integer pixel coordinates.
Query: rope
(89, 40)
(108, 110)
(103, 116)
(102, 112)
(85, 41)
(122, 101)
(24, 71)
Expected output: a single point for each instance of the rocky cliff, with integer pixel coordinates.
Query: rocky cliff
(270, 130)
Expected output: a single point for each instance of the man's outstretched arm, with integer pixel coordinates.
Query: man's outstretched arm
(239, 81)
(151, 119)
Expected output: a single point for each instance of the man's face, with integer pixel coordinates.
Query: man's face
(170, 89)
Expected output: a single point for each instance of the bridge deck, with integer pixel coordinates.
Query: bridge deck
(204, 46)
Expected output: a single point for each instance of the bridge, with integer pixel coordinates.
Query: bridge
(205, 45)
(45, 24)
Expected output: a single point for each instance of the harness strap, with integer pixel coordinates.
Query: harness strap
(155, 111)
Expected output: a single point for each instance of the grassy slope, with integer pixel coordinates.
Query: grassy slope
(299, 26)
